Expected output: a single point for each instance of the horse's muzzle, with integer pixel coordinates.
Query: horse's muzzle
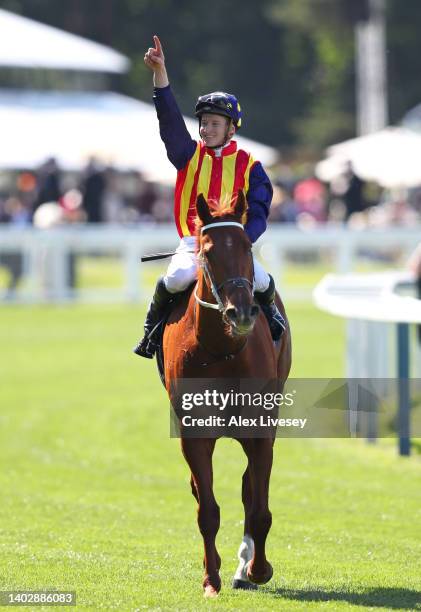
(242, 319)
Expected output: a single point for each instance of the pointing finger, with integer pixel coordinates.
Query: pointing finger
(158, 46)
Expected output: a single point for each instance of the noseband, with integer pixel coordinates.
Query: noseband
(237, 281)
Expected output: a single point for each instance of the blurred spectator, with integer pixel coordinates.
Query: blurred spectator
(310, 197)
(354, 194)
(113, 204)
(48, 183)
(51, 215)
(26, 184)
(3, 216)
(17, 215)
(416, 200)
(283, 208)
(71, 204)
(93, 187)
(145, 198)
(48, 215)
(15, 212)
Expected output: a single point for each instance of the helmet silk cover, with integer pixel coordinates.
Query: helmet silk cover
(220, 103)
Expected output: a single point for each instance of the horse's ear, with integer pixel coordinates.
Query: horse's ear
(203, 211)
(240, 204)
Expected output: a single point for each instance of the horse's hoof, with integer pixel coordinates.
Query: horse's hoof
(243, 584)
(260, 578)
(210, 591)
(211, 585)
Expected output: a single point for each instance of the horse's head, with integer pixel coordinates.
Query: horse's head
(227, 262)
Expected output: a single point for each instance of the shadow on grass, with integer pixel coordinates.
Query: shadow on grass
(392, 599)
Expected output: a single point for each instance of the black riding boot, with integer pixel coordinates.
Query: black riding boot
(266, 302)
(157, 308)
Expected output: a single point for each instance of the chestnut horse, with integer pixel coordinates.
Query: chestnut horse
(218, 330)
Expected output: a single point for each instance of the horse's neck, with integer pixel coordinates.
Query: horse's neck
(211, 331)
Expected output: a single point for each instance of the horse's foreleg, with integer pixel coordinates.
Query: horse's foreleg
(246, 498)
(193, 489)
(260, 455)
(246, 549)
(198, 454)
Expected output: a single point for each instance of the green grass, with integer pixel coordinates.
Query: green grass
(95, 495)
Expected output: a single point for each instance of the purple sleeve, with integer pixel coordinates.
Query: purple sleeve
(259, 198)
(179, 144)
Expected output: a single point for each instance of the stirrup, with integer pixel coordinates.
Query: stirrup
(148, 346)
(275, 320)
(277, 326)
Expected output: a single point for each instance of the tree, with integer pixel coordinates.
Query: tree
(291, 62)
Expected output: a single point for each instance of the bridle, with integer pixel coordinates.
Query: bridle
(237, 281)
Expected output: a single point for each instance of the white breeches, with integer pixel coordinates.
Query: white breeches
(182, 270)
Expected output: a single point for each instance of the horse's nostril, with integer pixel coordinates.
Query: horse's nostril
(231, 313)
(254, 311)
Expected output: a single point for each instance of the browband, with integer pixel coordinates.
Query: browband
(220, 224)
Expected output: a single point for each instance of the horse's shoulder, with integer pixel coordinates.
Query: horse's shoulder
(183, 304)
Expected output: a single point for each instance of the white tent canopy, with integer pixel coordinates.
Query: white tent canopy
(74, 126)
(390, 157)
(27, 43)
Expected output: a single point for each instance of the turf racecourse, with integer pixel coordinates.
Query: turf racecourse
(95, 496)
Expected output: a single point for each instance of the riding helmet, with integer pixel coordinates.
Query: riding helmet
(220, 103)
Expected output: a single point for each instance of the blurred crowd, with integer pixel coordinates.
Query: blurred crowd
(99, 194)
(49, 198)
(308, 202)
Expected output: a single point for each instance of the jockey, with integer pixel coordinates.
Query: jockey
(215, 167)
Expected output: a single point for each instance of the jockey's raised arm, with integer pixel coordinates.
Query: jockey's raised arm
(172, 128)
(155, 60)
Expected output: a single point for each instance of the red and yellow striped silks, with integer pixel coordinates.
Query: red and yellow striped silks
(218, 178)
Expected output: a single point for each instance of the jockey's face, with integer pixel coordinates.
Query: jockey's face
(215, 130)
